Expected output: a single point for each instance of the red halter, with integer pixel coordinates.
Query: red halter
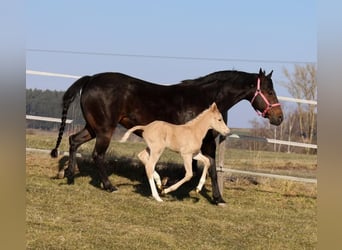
(269, 106)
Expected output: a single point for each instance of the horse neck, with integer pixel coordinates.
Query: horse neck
(200, 124)
(231, 90)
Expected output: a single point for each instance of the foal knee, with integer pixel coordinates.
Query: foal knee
(188, 176)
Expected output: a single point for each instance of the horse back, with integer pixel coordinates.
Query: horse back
(111, 98)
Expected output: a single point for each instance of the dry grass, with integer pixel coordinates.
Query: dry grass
(271, 214)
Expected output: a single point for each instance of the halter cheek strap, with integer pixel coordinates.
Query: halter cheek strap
(268, 105)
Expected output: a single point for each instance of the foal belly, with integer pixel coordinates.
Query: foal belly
(183, 143)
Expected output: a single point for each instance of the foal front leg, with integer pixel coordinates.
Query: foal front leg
(188, 174)
(206, 162)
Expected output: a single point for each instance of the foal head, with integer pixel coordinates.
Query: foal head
(216, 120)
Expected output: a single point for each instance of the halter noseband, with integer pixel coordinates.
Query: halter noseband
(268, 105)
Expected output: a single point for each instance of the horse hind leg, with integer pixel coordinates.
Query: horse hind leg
(75, 141)
(101, 146)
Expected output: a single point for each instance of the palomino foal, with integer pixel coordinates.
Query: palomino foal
(185, 139)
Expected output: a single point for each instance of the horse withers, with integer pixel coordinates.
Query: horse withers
(111, 98)
(185, 139)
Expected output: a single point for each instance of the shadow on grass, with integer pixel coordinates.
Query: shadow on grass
(134, 171)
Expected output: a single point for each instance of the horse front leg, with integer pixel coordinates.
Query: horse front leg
(209, 149)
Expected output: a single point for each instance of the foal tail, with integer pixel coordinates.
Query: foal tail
(130, 131)
(68, 98)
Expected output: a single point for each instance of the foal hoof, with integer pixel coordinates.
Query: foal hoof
(60, 174)
(164, 181)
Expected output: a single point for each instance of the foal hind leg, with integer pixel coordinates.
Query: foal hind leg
(188, 174)
(149, 168)
(75, 141)
(144, 156)
(206, 162)
(101, 146)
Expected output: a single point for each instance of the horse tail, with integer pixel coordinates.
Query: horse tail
(130, 131)
(68, 97)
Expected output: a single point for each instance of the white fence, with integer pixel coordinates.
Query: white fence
(47, 119)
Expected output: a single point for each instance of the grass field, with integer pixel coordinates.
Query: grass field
(261, 214)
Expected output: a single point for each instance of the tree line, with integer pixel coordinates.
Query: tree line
(48, 103)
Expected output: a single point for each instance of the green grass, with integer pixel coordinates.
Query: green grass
(272, 214)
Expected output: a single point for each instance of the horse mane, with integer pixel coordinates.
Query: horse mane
(204, 112)
(231, 75)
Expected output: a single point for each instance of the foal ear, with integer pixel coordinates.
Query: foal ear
(213, 106)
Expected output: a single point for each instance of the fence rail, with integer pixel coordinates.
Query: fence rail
(274, 141)
(47, 119)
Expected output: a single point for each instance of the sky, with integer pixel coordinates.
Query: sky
(168, 41)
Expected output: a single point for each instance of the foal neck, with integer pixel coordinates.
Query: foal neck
(201, 123)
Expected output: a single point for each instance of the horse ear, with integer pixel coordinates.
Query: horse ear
(260, 72)
(270, 74)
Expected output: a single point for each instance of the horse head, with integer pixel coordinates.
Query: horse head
(265, 100)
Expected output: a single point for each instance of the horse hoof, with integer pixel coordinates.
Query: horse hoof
(221, 204)
(112, 189)
(71, 181)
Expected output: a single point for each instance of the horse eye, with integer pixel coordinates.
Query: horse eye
(219, 119)
(270, 92)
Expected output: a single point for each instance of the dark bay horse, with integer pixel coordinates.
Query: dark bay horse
(111, 98)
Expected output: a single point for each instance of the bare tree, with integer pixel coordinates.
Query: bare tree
(302, 84)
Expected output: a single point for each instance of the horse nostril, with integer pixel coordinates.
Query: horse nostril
(280, 118)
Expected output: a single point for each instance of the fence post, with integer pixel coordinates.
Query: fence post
(220, 173)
